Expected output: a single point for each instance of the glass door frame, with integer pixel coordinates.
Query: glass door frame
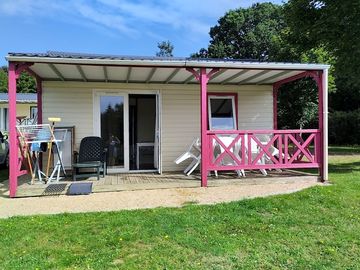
(97, 123)
(97, 129)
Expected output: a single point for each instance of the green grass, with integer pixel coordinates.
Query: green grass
(318, 228)
(344, 150)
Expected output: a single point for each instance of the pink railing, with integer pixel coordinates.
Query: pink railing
(263, 149)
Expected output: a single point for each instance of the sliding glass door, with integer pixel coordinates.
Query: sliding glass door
(129, 125)
(112, 123)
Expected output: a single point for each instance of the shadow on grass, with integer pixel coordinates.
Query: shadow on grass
(344, 150)
(345, 167)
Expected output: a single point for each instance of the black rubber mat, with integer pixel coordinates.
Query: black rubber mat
(54, 189)
(84, 188)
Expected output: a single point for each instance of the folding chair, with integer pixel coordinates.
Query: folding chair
(60, 136)
(254, 152)
(227, 160)
(194, 153)
(264, 139)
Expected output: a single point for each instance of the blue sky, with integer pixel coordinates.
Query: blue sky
(125, 27)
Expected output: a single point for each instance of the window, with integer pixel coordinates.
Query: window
(4, 122)
(33, 112)
(222, 112)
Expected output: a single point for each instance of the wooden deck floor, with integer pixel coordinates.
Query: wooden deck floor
(136, 181)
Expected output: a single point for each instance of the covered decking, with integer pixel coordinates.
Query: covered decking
(151, 181)
(297, 148)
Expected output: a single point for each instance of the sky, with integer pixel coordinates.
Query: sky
(122, 27)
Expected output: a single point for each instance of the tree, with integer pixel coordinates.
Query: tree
(245, 33)
(334, 25)
(3, 79)
(25, 83)
(260, 32)
(165, 49)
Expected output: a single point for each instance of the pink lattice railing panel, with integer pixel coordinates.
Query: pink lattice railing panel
(263, 149)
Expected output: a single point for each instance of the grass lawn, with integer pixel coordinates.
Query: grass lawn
(318, 228)
(344, 150)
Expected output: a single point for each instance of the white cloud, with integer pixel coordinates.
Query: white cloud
(192, 17)
(111, 21)
(29, 8)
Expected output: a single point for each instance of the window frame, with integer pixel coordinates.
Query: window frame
(217, 95)
(31, 111)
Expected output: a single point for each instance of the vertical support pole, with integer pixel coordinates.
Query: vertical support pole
(39, 100)
(325, 124)
(275, 98)
(39, 111)
(203, 124)
(13, 142)
(319, 81)
(203, 78)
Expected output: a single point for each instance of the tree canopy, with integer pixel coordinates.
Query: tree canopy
(309, 31)
(165, 49)
(335, 26)
(246, 33)
(25, 83)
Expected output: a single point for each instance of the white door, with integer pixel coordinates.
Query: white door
(112, 125)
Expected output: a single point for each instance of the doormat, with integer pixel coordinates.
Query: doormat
(54, 190)
(79, 189)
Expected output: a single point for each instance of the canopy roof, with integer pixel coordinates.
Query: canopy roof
(20, 98)
(61, 66)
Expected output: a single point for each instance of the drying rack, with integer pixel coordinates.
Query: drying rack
(35, 139)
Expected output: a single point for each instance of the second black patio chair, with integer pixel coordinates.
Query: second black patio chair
(92, 157)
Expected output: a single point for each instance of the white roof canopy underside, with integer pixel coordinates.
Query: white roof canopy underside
(153, 70)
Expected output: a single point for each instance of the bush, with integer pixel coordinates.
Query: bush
(344, 127)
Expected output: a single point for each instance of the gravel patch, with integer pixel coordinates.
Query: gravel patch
(140, 199)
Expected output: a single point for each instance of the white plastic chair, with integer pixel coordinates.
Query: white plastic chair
(264, 139)
(194, 153)
(227, 160)
(254, 152)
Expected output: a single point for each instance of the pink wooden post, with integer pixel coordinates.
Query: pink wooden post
(203, 122)
(13, 142)
(203, 78)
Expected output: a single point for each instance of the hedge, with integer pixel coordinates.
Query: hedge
(344, 127)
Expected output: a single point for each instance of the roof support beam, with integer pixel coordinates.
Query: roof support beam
(264, 81)
(217, 74)
(105, 74)
(235, 76)
(188, 79)
(254, 77)
(82, 74)
(21, 67)
(32, 73)
(57, 72)
(128, 74)
(151, 74)
(313, 74)
(172, 75)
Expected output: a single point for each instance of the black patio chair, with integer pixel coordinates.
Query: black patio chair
(91, 156)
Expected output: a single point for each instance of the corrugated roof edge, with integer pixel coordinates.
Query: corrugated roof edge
(20, 97)
(83, 58)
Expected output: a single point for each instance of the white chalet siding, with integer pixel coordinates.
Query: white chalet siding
(180, 110)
